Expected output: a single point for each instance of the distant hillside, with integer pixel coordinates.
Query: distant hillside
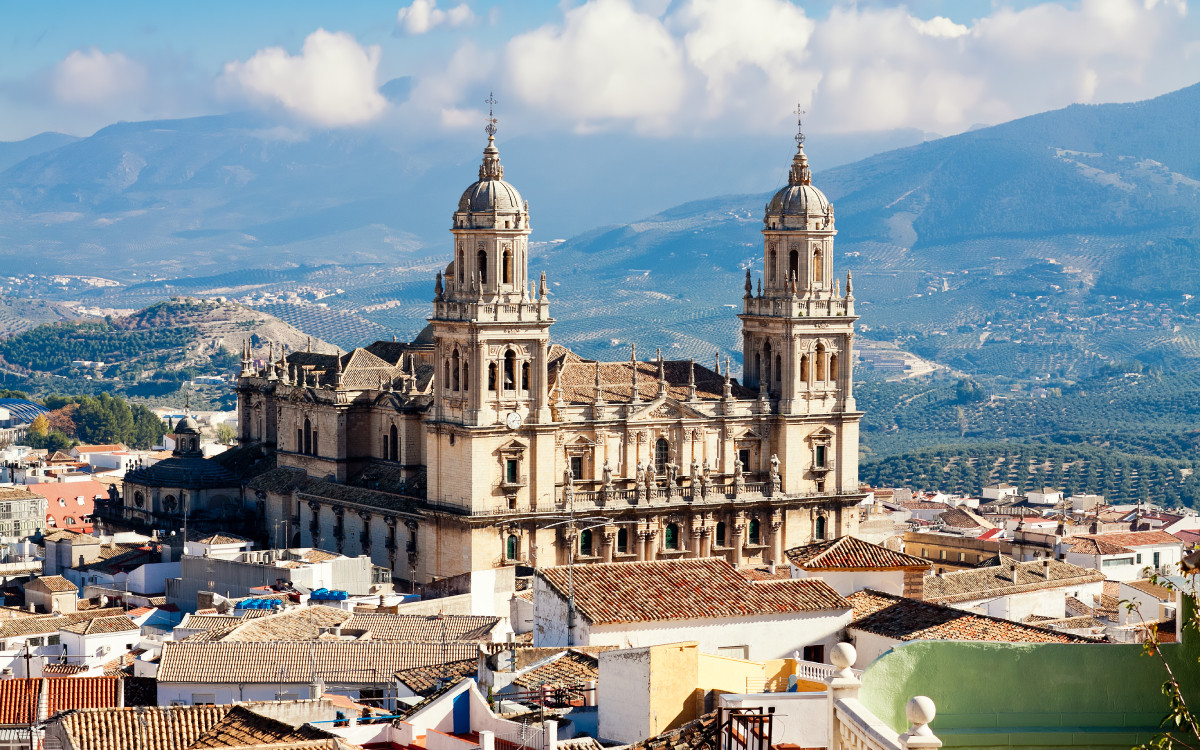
(22, 314)
(150, 352)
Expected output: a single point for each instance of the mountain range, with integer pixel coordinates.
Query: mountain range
(1044, 247)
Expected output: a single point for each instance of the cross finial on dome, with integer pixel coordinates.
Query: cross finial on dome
(490, 128)
(800, 173)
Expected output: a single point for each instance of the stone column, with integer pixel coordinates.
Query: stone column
(697, 532)
(643, 544)
(777, 537)
(610, 542)
(738, 529)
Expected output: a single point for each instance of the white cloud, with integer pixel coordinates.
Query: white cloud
(606, 61)
(424, 15)
(91, 77)
(332, 81)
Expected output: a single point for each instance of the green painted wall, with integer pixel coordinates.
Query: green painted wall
(1033, 695)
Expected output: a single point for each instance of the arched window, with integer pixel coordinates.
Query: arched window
(491, 376)
(446, 374)
(455, 367)
(138, 499)
(299, 439)
(820, 361)
(757, 365)
(819, 533)
(622, 540)
(671, 536)
(507, 269)
(524, 376)
(755, 532)
(818, 268)
(766, 373)
(395, 455)
(461, 269)
(386, 451)
(771, 274)
(482, 266)
(833, 370)
(510, 550)
(720, 541)
(585, 542)
(794, 265)
(778, 368)
(804, 369)
(662, 454)
(466, 377)
(308, 446)
(510, 370)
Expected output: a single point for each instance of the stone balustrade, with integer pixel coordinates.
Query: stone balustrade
(852, 726)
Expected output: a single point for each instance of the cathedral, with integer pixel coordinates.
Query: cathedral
(482, 443)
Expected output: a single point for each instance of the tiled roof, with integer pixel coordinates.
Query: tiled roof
(924, 505)
(577, 380)
(241, 727)
(193, 621)
(282, 480)
(19, 697)
(110, 448)
(298, 624)
(16, 493)
(700, 734)
(565, 669)
(1009, 577)
(119, 624)
(697, 588)
(1117, 543)
(64, 535)
(179, 728)
(52, 584)
(1146, 587)
(959, 519)
(851, 552)
(423, 628)
(63, 670)
(362, 496)
(222, 537)
(911, 620)
(319, 555)
(425, 680)
(295, 661)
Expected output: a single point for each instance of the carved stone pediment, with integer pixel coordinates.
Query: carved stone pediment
(666, 408)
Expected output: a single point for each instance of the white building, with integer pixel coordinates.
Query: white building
(92, 643)
(1015, 590)
(849, 564)
(999, 492)
(1044, 496)
(696, 599)
(1124, 556)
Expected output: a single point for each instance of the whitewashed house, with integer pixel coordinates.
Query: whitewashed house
(706, 600)
(1014, 590)
(1124, 556)
(849, 564)
(92, 643)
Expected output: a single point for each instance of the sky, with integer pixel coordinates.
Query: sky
(655, 68)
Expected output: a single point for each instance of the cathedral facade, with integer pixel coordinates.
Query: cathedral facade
(483, 444)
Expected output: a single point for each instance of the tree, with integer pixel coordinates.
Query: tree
(39, 427)
(225, 434)
(63, 420)
(148, 429)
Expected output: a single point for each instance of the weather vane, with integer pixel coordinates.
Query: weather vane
(490, 129)
(799, 112)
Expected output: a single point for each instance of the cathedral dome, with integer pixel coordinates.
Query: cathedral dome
(799, 197)
(490, 192)
(187, 426)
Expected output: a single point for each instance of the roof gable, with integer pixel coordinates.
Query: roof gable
(848, 552)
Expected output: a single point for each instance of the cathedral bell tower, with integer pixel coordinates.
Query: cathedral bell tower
(491, 333)
(797, 338)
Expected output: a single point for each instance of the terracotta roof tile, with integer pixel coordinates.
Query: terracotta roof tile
(1117, 543)
(1009, 577)
(423, 628)
(1159, 592)
(911, 620)
(701, 734)
(119, 624)
(562, 670)
(170, 728)
(19, 697)
(241, 727)
(425, 680)
(851, 552)
(53, 584)
(293, 661)
(695, 588)
(577, 380)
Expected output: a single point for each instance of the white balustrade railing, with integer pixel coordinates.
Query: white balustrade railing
(852, 726)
